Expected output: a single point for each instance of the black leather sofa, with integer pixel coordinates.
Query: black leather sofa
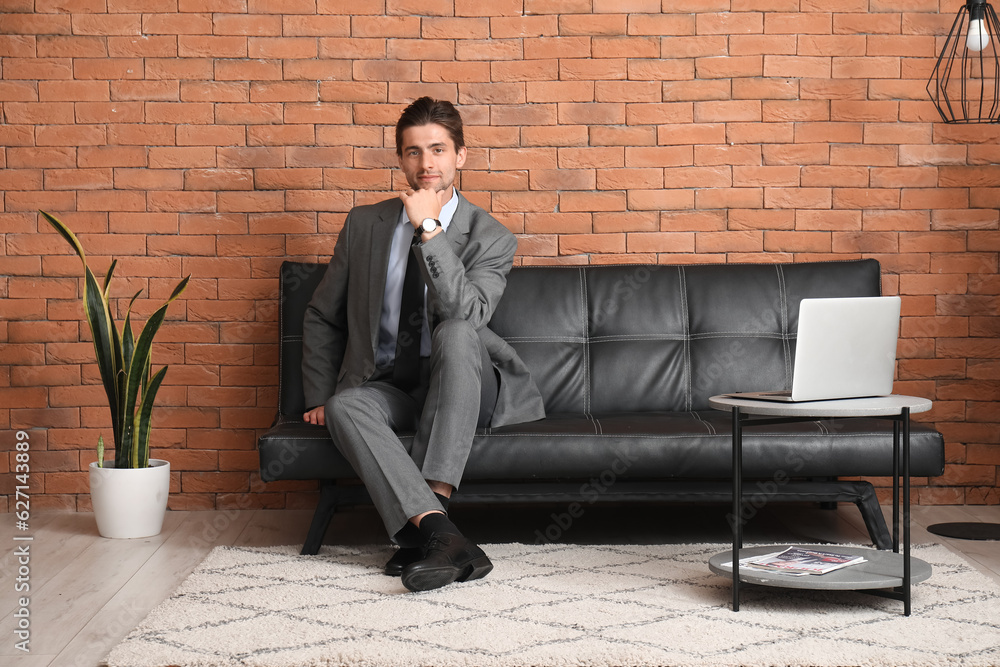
(626, 358)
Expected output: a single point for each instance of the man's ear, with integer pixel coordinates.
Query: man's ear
(462, 152)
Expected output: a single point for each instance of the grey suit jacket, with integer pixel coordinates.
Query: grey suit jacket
(465, 270)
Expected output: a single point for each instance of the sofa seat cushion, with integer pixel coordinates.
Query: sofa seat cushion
(640, 446)
(664, 445)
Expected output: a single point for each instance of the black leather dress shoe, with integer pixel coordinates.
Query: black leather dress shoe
(403, 557)
(448, 558)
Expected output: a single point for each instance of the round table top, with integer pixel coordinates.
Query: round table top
(877, 406)
(884, 569)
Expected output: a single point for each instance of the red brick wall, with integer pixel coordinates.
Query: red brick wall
(218, 137)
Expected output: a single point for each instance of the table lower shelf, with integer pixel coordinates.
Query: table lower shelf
(883, 569)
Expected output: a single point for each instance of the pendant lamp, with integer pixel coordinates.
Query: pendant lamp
(964, 85)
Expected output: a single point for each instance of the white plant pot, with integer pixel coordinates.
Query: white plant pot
(130, 502)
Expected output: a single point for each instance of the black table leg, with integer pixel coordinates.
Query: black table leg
(905, 418)
(895, 484)
(737, 504)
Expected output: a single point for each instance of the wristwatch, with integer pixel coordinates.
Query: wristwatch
(429, 225)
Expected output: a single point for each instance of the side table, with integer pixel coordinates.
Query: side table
(751, 412)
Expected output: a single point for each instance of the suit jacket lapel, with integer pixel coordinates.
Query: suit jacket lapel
(381, 245)
(458, 229)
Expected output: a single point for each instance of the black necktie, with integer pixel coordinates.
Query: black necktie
(406, 368)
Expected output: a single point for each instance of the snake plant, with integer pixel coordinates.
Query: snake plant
(123, 360)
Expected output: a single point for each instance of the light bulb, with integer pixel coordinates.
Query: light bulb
(978, 38)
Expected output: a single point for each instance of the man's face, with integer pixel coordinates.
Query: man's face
(429, 160)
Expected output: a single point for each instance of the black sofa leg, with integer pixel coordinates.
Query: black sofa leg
(328, 496)
(871, 512)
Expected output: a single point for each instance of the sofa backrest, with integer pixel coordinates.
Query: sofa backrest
(296, 283)
(635, 338)
(632, 338)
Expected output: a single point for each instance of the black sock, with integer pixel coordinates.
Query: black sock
(409, 536)
(444, 500)
(435, 522)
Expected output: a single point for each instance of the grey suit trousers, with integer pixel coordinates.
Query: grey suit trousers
(457, 393)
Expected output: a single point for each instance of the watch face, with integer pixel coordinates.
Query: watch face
(429, 224)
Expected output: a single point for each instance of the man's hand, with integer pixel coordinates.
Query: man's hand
(422, 204)
(316, 416)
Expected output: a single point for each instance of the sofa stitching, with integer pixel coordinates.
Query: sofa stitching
(756, 434)
(738, 334)
(586, 342)
(708, 425)
(614, 337)
(551, 339)
(709, 264)
(681, 337)
(281, 337)
(784, 324)
(685, 319)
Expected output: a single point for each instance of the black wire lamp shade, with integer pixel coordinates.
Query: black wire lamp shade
(964, 85)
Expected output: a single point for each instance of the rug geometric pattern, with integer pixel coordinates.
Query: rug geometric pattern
(551, 605)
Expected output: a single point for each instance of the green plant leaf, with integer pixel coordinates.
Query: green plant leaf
(123, 361)
(140, 361)
(128, 339)
(140, 447)
(127, 347)
(118, 357)
(65, 232)
(102, 327)
(107, 277)
(100, 451)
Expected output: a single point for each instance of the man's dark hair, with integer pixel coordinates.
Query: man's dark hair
(425, 111)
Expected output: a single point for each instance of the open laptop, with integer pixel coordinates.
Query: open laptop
(845, 348)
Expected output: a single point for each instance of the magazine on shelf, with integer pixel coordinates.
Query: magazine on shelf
(802, 561)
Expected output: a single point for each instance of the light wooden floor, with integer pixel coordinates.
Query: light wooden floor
(88, 592)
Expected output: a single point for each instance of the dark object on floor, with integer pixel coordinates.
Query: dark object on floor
(967, 531)
(447, 558)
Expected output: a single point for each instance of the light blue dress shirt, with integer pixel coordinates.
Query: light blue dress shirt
(385, 354)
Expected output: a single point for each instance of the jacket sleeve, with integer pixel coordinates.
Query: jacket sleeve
(471, 290)
(324, 327)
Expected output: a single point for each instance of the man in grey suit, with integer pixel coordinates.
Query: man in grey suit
(395, 339)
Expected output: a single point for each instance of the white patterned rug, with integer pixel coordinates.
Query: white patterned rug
(551, 605)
